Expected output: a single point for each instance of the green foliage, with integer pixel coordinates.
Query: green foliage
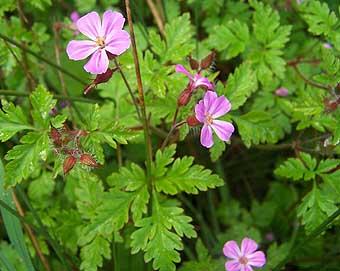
(12, 121)
(181, 175)
(315, 208)
(231, 38)
(178, 33)
(204, 260)
(257, 127)
(319, 18)
(240, 86)
(159, 236)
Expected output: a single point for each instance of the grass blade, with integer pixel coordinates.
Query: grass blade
(12, 223)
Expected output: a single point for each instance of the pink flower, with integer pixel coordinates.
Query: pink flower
(207, 110)
(281, 92)
(74, 18)
(327, 45)
(245, 258)
(196, 81)
(106, 36)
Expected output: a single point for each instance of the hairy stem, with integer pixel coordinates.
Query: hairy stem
(147, 137)
(157, 16)
(128, 87)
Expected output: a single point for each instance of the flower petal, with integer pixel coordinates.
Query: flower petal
(90, 25)
(206, 136)
(209, 98)
(112, 20)
(257, 259)
(74, 16)
(179, 68)
(98, 63)
(246, 268)
(248, 246)
(80, 49)
(200, 111)
(223, 129)
(118, 43)
(233, 265)
(231, 250)
(220, 107)
(202, 82)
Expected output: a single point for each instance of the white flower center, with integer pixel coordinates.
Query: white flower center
(100, 41)
(209, 119)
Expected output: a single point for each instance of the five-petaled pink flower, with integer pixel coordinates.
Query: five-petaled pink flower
(245, 258)
(106, 36)
(196, 80)
(206, 111)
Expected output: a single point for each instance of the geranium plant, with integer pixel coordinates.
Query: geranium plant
(169, 135)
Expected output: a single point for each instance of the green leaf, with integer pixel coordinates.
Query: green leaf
(92, 254)
(12, 223)
(160, 236)
(177, 45)
(163, 159)
(240, 85)
(41, 188)
(42, 102)
(182, 175)
(217, 150)
(24, 158)
(319, 18)
(333, 179)
(231, 38)
(12, 120)
(132, 179)
(330, 66)
(265, 54)
(257, 127)
(315, 208)
(296, 169)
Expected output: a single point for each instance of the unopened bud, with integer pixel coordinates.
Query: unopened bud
(88, 160)
(100, 78)
(184, 97)
(331, 105)
(192, 121)
(194, 64)
(281, 92)
(56, 137)
(69, 163)
(208, 60)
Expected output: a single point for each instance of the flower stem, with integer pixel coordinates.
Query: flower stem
(128, 87)
(141, 97)
(43, 59)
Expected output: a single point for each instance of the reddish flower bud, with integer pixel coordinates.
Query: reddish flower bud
(192, 121)
(208, 60)
(184, 97)
(100, 78)
(194, 65)
(110, 55)
(56, 137)
(69, 163)
(331, 105)
(88, 160)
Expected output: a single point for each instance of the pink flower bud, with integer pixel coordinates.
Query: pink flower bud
(281, 92)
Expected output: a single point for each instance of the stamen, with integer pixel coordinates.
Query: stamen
(209, 119)
(100, 41)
